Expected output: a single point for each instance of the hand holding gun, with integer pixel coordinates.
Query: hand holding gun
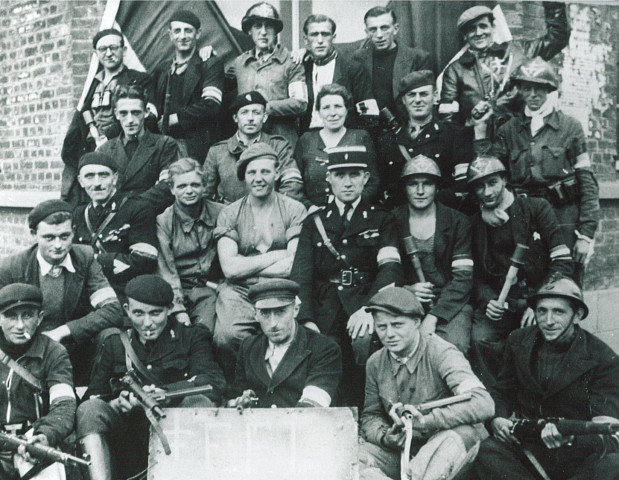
(40, 451)
(528, 429)
(247, 400)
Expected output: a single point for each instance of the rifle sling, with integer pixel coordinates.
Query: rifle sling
(132, 359)
(94, 234)
(22, 371)
(36, 469)
(327, 241)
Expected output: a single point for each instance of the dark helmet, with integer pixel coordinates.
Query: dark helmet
(421, 165)
(262, 11)
(482, 167)
(562, 287)
(537, 71)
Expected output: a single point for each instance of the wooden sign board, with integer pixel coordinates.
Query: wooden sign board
(258, 444)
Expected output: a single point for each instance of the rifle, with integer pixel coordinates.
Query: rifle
(531, 429)
(41, 452)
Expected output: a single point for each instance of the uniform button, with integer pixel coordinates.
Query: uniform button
(343, 256)
(344, 242)
(327, 189)
(319, 244)
(273, 406)
(427, 135)
(391, 163)
(340, 288)
(149, 367)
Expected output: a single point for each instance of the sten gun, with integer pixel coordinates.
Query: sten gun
(531, 429)
(40, 452)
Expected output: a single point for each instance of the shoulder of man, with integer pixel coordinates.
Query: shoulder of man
(83, 254)
(134, 75)
(597, 348)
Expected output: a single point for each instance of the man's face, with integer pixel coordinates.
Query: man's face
(381, 31)
(99, 182)
(534, 94)
(184, 36)
(250, 118)
(110, 51)
(54, 241)
(263, 35)
(397, 333)
(188, 188)
(555, 318)
(420, 191)
(478, 33)
(490, 190)
(147, 320)
(333, 112)
(347, 183)
(260, 177)
(419, 102)
(278, 323)
(319, 39)
(19, 324)
(130, 113)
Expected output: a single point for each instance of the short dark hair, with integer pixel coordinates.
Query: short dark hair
(318, 18)
(129, 91)
(377, 12)
(334, 89)
(56, 219)
(182, 166)
(105, 33)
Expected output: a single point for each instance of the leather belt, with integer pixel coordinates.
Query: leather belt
(351, 278)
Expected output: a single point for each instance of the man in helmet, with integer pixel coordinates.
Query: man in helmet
(546, 154)
(435, 243)
(269, 69)
(504, 221)
(555, 369)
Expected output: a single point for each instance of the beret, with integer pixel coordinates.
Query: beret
(186, 16)
(97, 158)
(413, 80)
(254, 152)
(351, 156)
(19, 294)
(273, 293)
(150, 289)
(248, 98)
(105, 33)
(473, 13)
(45, 209)
(396, 301)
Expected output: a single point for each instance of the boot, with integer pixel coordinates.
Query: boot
(100, 467)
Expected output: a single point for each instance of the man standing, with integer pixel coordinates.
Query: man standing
(110, 426)
(249, 112)
(347, 252)
(188, 91)
(95, 122)
(33, 367)
(269, 69)
(121, 230)
(324, 66)
(287, 365)
(410, 370)
(554, 369)
(78, 301)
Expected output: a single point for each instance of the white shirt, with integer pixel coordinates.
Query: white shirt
(321, 75)
(45, 266)
(341, 205)
(275, 353)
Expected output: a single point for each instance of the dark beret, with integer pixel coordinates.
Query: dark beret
(186, 16)
(474, 13)
(105, 33)
(273, 293)
(396, 301)
(248, 98)
(45, 209)
(352, 156)
(414, 80)
(19, 294)
(97, 158)
(150, 289)
(254, 152)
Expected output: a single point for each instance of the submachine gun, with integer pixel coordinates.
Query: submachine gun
(40, 452)
(531, 429)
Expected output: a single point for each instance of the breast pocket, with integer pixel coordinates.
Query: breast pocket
(518, 165)
(369, 239)
(176, 367)
(555, 163)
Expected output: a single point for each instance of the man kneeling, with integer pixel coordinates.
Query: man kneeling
(411, 369)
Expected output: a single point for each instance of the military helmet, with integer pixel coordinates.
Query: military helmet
(562, 287)
(262, 11)
(537, 71)
(482, 167)
(420, 165)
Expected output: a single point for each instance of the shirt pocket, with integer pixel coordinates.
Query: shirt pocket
(555, 163)
(518, 165)
(368, 239)
(176, 365)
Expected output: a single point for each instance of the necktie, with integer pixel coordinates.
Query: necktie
(55, 271)
(347, 209)
(131, 147)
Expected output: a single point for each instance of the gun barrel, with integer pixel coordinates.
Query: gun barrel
(427, 406)
(580, 427)
(146, 399)
(184, 392)
(43, 452)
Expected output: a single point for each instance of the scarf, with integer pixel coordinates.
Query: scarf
(537, 117)
(323, 61)
(495, 217)
(12, 350)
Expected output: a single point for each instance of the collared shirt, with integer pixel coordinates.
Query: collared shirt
(241, 142)
(322, 75)
(275, 353)
(46, 267)
(341, 206)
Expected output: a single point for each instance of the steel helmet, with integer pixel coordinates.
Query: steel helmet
(420, 165)
(482, 167)
(562, 287)
(262, 11)
(537, 71)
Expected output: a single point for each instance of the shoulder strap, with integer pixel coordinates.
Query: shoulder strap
(22, 371)
(404, 152)
(94, 239)
(132, 359)
(326, 240)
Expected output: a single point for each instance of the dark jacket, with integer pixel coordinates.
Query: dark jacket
(312, 359)
(452, 257)
(371, 233)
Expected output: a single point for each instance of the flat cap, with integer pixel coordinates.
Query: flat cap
(247, 98)
(396, 301)
(352, 156)
(19, 294)
(150, 289)
(413, 80)
(474, 13)
(255, 151)
(186, 16)
(45, 209)
(97, 158)
(273, 293)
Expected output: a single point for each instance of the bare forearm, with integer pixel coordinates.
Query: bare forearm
(240, 266)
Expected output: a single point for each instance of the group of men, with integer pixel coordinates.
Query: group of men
(178, 261)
